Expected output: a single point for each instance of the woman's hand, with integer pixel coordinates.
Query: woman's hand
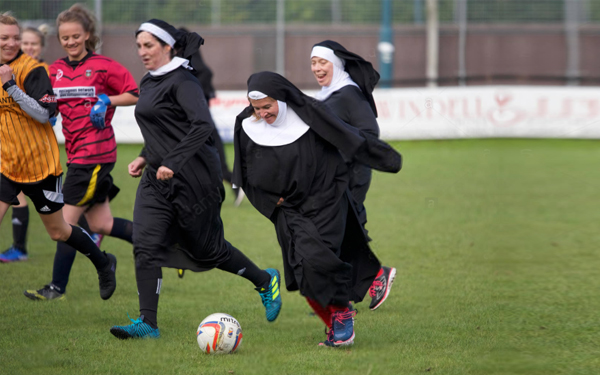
(164, 173)
(6, 73)
(137, 166)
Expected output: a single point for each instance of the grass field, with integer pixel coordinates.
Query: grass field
(496, 245)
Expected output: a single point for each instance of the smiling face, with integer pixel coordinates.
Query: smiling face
(322, 70)
(72, 38)
(31, 44)
(153, 53)
(266, 108)
(10, 42)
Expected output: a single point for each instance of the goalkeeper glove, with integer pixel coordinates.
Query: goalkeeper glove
(98, 112)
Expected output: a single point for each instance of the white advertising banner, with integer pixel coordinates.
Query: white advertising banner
(441, 113)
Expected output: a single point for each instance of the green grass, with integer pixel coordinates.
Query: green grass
(496, 244)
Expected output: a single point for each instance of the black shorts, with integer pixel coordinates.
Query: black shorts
(87, 184)
(46, 195)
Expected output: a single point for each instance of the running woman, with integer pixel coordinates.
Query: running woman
(32, 43)
(287, 159)
(177, 214)
(29, 151)
(88, 87)
(347, 82)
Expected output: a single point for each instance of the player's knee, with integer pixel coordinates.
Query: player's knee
(100, 227)
(57, 235)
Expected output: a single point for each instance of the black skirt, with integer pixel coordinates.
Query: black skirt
(177, 223)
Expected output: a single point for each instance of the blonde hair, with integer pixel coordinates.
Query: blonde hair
(40, 32)
(7, 18)
(256, 116)
(80, 14)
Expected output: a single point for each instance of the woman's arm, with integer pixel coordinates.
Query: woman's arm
(40, 103)
(359, 110)
(124, 99)
(189, 96)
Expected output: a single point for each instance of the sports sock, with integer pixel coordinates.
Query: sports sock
(240, 265)
(322, 312)
(63, 261)
(82, 242)
(83, 224)
(335, 308)
(149, 282)
(20, 221)
(122, 229)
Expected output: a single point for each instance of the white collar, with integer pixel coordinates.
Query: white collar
(175, 63)
(286, 129)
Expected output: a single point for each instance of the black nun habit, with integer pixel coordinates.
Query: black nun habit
(301, 183)
(350, 96)
(360, 70)
(177, 221)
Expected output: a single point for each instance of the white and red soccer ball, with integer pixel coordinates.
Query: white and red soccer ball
(219, 334)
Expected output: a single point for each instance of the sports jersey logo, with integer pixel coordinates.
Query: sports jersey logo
(48, 99)
(88, 73)
(75, 92)
(59, 74)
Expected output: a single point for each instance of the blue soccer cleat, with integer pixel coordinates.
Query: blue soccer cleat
(137, 330)
(13, 254)
(270, 296)
(329, 340)
(343, 327)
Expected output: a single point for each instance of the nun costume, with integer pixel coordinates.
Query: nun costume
(349, 94)
(176, 219)
(293, 173)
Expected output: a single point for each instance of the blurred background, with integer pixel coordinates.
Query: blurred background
(492, 68)
(411, 42)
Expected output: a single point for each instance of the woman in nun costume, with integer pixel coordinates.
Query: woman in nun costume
(176, 218)
(288, 163)
(347, 82)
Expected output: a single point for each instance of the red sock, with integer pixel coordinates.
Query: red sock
(333, 309)
(323, 312)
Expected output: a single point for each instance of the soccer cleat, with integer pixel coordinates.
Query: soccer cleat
(343, 327)
(270, 296)
(380, 289)
(329, 340)
(107, 277)
(97, 238)
(13, 254)
(48, 292)
(180, 273)
(137, 330)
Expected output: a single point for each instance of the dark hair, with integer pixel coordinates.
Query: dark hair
(80, 14)
(162, 42)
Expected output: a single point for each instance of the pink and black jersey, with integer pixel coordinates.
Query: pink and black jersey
(77, 85)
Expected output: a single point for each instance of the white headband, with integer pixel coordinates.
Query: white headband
(158, 32)
(328, 55)
(256, 95)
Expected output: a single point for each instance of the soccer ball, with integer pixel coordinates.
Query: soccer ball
(219, 334)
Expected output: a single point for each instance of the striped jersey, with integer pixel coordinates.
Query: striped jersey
(77, 85)
(28, 151)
